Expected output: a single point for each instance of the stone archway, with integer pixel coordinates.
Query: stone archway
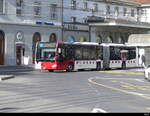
(36, 38)
(83, 39)
(71, 39)
(99, 39)
(109, 39)
(121, 40)
(2, 47)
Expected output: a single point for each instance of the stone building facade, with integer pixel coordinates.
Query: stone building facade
(22, 24)
(25, 22)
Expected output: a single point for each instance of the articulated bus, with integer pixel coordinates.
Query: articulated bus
(68, 56)
(118, 56)
(84, 55)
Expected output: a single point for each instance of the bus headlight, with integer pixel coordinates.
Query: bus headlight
(54, 66)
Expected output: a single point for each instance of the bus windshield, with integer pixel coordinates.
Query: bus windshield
(46, 54)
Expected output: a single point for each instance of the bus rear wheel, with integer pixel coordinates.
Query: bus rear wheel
(70, 68)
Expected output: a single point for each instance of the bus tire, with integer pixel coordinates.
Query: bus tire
(98, 66)
(70, 67)
(123, 65)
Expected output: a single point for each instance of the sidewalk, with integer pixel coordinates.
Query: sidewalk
(5, 71)
(5, 77)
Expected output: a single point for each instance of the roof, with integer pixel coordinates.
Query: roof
(142, 1)
(127, 2)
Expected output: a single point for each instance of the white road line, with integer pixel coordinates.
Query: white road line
(118, 89)
(140, 80)
(98, 110)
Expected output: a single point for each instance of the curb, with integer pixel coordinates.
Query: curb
(20, 70)
(5, 77)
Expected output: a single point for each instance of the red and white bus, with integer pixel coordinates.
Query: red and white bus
(68, 56)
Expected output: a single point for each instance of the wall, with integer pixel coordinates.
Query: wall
(28, 31)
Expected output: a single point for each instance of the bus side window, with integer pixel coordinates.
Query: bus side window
(78, 53)
(93, 53)
(85, 54)
(131, 54)
(69, 53)
(62, 55)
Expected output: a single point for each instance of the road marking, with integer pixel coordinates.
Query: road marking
(122, 72)
(117, 89)
(139, 80)
(98, 110)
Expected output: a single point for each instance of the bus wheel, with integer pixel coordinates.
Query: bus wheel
(123, 65)
(98, 67)
(70, 68)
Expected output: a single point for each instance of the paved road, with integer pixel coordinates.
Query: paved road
(108, 91)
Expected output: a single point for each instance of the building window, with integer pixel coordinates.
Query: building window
(95, 7)
(73, 19)
(53, 11)
(37, 9)
(53, 38)
(2, 6)
(124, 11)
(73, 4)
(143, 12)
(85, 6)
(116, 11)
(132, 13)
(19, 6)
(108, 10)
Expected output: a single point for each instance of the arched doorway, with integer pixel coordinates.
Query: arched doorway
(53, 38)
(109, 39)
(121, 40)
(98, 39)
(83, 39)
(36, 38)
(2, 48)
(71, 39)
(20, 48)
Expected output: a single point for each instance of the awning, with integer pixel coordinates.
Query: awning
(139, 39)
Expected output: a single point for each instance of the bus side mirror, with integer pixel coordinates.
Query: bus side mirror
(59, 50)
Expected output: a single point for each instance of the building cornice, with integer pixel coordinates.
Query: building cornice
(119, 2)
(121, 23)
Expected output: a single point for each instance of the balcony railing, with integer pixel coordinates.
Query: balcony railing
(137, 18)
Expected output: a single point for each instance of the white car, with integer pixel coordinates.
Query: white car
(147, 72)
